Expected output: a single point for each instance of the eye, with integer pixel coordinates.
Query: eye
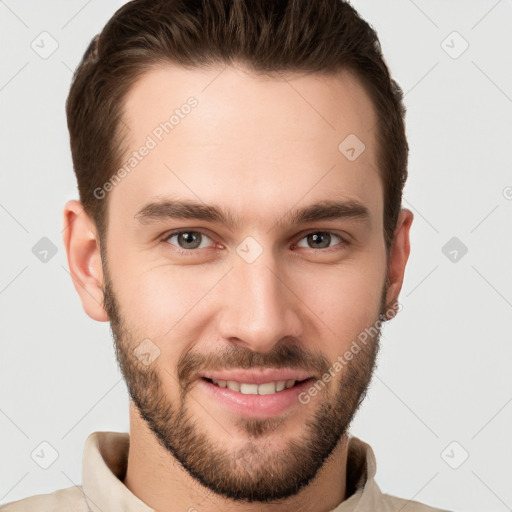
(188, 240)
(321, 240)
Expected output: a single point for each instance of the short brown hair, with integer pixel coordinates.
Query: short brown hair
(268, 36)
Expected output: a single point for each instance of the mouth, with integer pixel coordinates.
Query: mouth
(256, 394)
(249, 388)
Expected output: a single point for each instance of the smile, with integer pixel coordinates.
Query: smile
(262, 399)
(266, 388)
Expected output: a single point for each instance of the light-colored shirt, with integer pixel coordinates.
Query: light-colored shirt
(104, 463)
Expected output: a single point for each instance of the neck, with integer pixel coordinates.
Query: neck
(157, 478)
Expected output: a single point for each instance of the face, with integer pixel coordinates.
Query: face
(244, 249)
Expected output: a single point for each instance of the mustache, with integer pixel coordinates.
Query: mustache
(282, 356)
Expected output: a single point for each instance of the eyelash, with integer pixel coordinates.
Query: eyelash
(192, 252)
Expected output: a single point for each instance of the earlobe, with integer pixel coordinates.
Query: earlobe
(398, 256)
(84, 258)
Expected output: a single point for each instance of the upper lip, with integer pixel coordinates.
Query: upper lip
(258, 376)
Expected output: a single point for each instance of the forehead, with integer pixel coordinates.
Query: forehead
(260, 144)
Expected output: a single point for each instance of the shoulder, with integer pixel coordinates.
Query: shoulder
(392, 504)
(70, 499)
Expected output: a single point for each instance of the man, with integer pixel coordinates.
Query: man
(240, 168)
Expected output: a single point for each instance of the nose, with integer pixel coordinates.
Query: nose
(259, 307)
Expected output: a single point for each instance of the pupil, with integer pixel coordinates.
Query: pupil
(318, 237)
(190, 238)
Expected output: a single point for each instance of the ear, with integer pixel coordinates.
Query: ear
(83, 251)
(398, 256)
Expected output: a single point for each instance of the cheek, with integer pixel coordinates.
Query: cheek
(166, 303)
(345, 301)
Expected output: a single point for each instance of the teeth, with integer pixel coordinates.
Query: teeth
(249, 389)
(267, 388)
(231, 384)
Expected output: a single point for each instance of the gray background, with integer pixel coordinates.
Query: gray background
(442, 390)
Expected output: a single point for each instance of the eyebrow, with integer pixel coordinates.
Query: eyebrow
(187, 209)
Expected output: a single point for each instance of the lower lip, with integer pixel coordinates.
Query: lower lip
(256, 406)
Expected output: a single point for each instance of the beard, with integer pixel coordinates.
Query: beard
(253, 472)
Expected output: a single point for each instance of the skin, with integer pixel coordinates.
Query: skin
(258, 147)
